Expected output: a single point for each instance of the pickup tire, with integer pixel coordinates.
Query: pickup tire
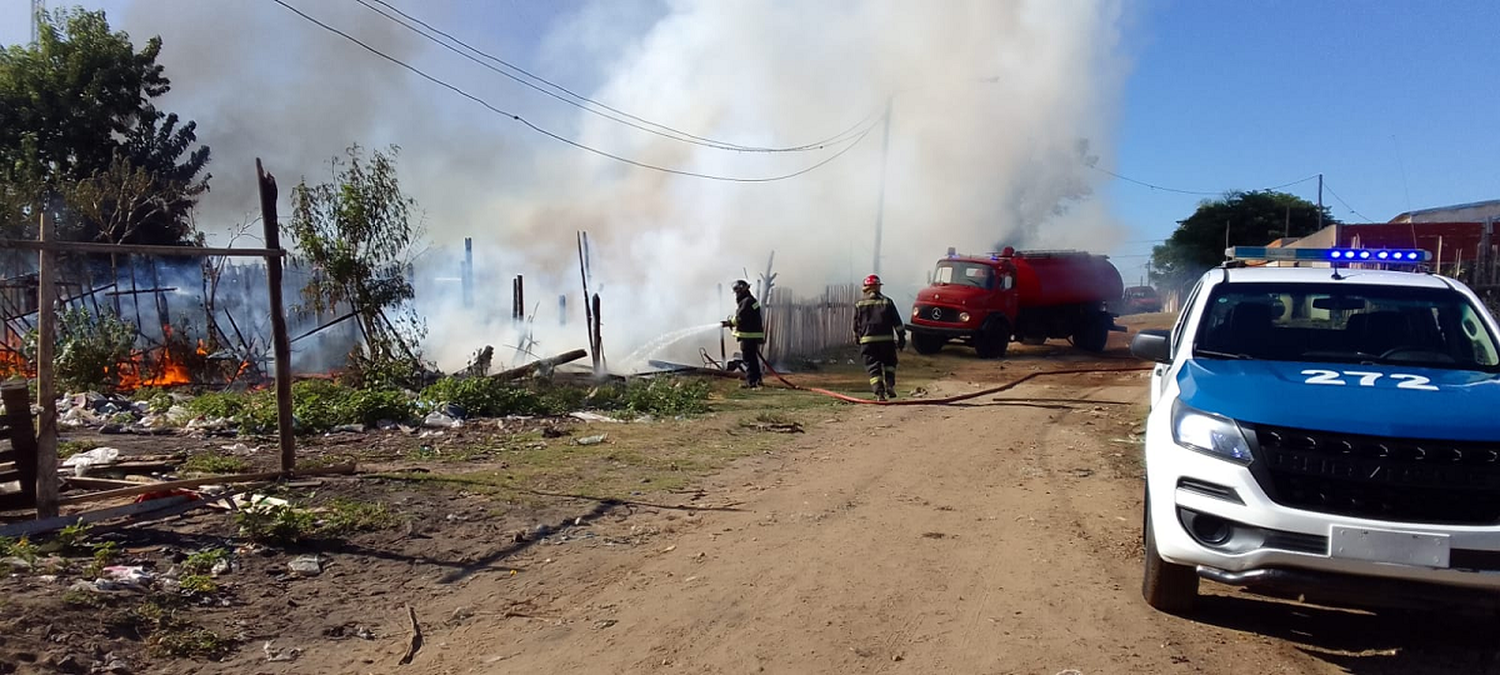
(927, 344)
(993, 339)
(1092, 334)
(1167, 587)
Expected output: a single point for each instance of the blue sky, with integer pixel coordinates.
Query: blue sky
(1391, 101)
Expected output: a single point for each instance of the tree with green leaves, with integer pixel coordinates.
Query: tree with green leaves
(80, 137)
(1236, 219)
(356, 232)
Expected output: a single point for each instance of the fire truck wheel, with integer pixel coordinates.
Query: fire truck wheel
(927, 344)
(1093, 334)
(993, 340)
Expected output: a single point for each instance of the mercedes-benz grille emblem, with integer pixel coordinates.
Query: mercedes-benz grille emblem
(937, 313)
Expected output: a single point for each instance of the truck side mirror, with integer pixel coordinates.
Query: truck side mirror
(1006, 281)
(1152, 345)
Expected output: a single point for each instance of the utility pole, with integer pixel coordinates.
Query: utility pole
(37, 7)
(1338, 232)
(885, 146)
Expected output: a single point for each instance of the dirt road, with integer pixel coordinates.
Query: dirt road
(988, 538)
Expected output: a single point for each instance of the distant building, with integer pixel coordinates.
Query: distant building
(1471, 212)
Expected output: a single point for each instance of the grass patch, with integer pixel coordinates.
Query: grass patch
(215, 463)
(198, 584)
(105, 555)
(82, 598)
(281, 525)
(172, 635)
(21, 548)
(348, 516)
(204, 561)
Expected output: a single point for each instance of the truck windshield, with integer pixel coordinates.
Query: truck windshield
(963, 273)
(1430, 327)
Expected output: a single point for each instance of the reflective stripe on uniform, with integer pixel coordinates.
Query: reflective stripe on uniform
(871, 303)
(876, 338)
(874, 380)
(741, 336)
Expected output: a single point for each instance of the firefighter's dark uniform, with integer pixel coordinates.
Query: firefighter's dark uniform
(879, 330)
(750, 331)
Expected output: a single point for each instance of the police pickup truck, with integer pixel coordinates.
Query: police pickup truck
(1325, 432)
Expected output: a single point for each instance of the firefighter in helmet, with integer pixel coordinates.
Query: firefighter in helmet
(880, 333)
(749, 329)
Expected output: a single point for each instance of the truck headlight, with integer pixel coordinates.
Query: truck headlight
(1209, 434)
(963, 317)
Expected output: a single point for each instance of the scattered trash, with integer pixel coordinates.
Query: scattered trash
(592, 440)
(82, 586)
(254, 502)
(605, 623)
(240, 448)
(124, 577)
(283, 655)
(778, 427)
(307, 566)
(669, 549)
(101, 456)
(455, 411)
(432, 434)
(438, 420)
(349, 428)
(386, 425)
(592, 417)
(554, 432)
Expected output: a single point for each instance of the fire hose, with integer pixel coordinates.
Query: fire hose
(950, 399)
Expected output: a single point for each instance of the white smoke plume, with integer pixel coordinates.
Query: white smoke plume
(992, 101)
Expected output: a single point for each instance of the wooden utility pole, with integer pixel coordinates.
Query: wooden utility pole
(885, 149)
(598, 339)
(46, 388)
(280, 344)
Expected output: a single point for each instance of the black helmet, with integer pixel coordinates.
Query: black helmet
(741, 286)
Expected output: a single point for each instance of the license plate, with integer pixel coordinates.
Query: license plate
(1389, 546)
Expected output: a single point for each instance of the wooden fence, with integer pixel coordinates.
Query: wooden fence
(17, 449)
(800, 327)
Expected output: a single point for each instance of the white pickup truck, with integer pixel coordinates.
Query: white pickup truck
(1327, 432)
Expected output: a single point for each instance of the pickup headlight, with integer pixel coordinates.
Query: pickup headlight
(1209, 434)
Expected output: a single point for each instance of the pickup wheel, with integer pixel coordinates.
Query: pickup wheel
(1167, 587)
(993, 340)
(1093, 332)
(926, 343)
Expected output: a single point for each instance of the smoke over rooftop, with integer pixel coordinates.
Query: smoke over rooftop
(990, 103)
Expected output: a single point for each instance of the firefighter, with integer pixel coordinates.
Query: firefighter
(749, 329)
(880, 333)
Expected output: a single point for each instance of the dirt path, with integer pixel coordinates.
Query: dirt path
(989, 538)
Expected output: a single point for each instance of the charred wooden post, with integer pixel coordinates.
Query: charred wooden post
(46, 437)
(520, 297)
(599, 363)
(279, 342)
(562, 310)
(543, 364)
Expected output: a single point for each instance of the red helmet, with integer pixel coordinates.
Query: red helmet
(872, 280)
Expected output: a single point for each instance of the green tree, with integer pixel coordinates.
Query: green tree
(356, 232)
(75, 109)
(1237, 219)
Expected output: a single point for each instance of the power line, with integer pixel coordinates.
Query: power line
(585, 103)
(1346, 204)
(855, 141)
(1191, 192)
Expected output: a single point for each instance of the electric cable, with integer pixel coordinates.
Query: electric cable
(563, 139)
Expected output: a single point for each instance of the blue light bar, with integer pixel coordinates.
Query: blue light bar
(1403, 256)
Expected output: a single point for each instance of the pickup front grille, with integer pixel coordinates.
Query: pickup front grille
(1402, 480)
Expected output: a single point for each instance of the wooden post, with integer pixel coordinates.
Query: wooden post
(468, 272)
(599, 365)
(520, 297)
(46, 390)
(280, 344)
(562, 310)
